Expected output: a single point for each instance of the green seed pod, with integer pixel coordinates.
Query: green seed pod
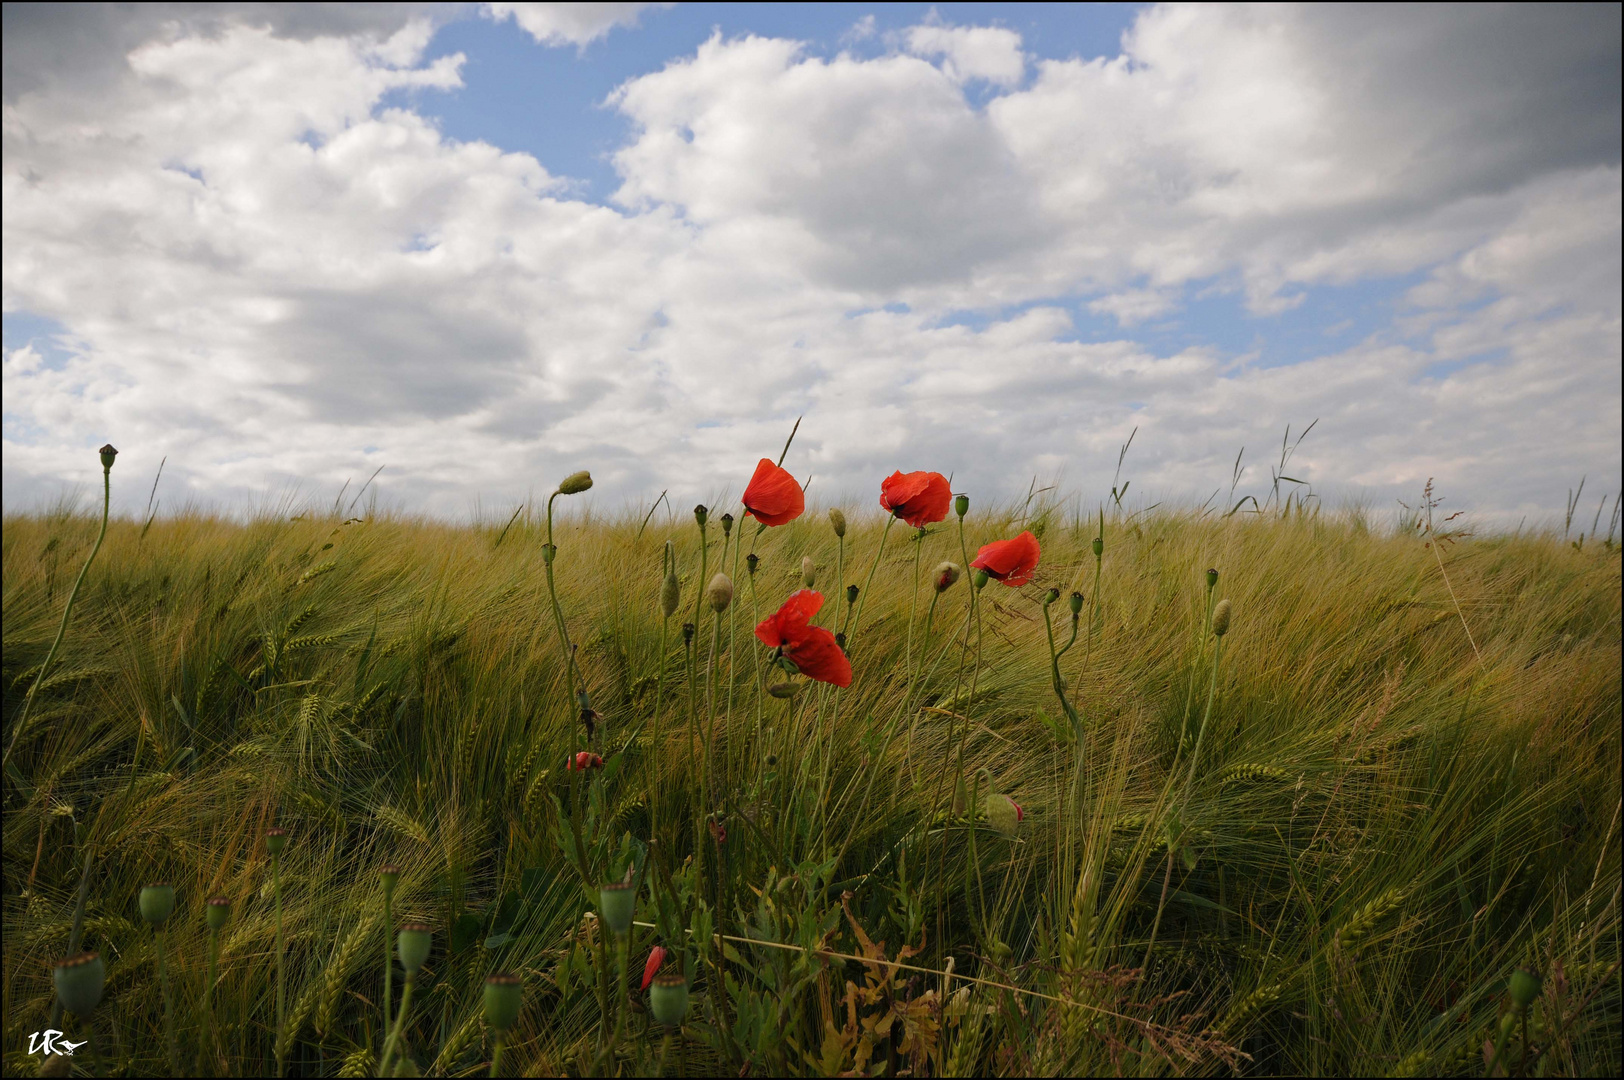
(1050, 597)
(785, 690)
(107, 455)
(617, 901)
(668, 999)
(687, 633)
(981, 579)
(961, 505)
(405, 1066)
(276, 840)
(1098, 546)
(157, 903)
(79, 983)
(217, 912)
(727, 524)
(1076, 603)
(751, 561)
(413, 943)
(701, 515)
(945, 575)
(389, 874)
(504, 994)
(840, 640)
(809, 571)
(1220, 618)
(575, 483)
(719, 593)
(670, 594)
(837, 520)
(851, 594)
(548, 553)
(1212, 578)
(1525, 986)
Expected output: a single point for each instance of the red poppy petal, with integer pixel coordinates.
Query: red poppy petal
(819, 657)
(898, 488)
(1010, 561)
(656, 957)
(788, 623)
(773, 496)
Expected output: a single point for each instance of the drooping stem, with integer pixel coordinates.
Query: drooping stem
(549, 553)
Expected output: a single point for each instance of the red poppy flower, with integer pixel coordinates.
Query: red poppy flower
(584, 760)
(919, 498)
(773, 496)
(810, 648)
(656, 957)
(1009, 561)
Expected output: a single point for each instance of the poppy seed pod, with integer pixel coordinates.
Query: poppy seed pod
(751, 561)
(981, 579)
(1050, 597)
(413, 943)
(670, 594)
(79, 983)
(961, 505)
(276, 840)
(617, 901)
(837, 519)
(1525, 987)
(389, 874)
(504, 994)
(727, 524)
(945, 575)
(687, 633)
(1220, 618)
(851, 594)
(157, 903)
(575, 483)
(840, 641)
(548, 553)
(719, 593)
(701, 515)
(809, 571)
(217, 912)
(1212, 578)
(1099, 546)
(108, 453)
(785, 690)
(1075, 601)
(668, 999)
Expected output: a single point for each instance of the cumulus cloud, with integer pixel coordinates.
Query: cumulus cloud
(270, 275)
(569, 24)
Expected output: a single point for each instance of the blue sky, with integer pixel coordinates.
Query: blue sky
(478, 244)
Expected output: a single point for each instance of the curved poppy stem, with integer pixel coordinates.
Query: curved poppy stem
(913, 606)
(862, 598)
(549, 553)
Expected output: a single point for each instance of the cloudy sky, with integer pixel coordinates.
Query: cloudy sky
(484, 245)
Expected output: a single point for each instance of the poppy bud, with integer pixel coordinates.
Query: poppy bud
(217, 912)
(1212, 578)
(785, 690)
(718, 832)
(656, 957)
(751, 561)
(1098, 546)
(840, 640)
(961, 505)
(157, 903)
(1220, 618)
(79, 983)
(1076, 603)
(1525, 987)
(575, 483)
(701, 514)
(837, 519)
(582, 761)
(276, 840)
(1050, 597)
(413, 944)
(946, 574)
(503, 995)
(851, 594)
(981, 579)
(617, 903)
(687, 633)
(389, 874)
(727, 524)
(809, 572)
(719, 593)
(670, 594)
(107, 455)
(1004, 813)
(668, 999)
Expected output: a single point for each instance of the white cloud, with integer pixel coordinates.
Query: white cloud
(569, 24)
(971, 52)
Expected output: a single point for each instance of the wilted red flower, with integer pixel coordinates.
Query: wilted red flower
(773, 496)
(1009, 561)
(583, 760)
(810, 648)
(656, 957)
(919, 498)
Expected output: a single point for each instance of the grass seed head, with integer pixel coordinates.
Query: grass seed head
(1220, 618)
(575, 483)
(719, 593)
(837, 520)
(157, 903)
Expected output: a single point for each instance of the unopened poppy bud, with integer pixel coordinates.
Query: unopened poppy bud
(670, 594)
(413, 944)
(617, 903)
(1076, 603)
(504, 994)
(961, 505)
(1212, 578)
(809, 571)
(851, 594)
(668, 999)
(217, 912)
(981, 579)
(651, 968)
(751, 561)
(79, 982)
(1220, 618)
(276, 840)
(785, 690)
(389, 874)
(157, 903)
(719, 593)
(582, 761)
(1004, 813)
(107, 455)
(575, 483)
(946, 574)
(1525, 987)
(1050, 597)
(718, 832)
(701, 515)
(1098, 546)
(687, 633)
(837, 519)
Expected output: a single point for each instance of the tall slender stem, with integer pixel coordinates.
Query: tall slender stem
(392, 1045)
(281, 986)
(169, 1008)
(388, 958)
(862, 598)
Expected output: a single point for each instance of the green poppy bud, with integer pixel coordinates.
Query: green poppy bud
(785, 690)
(503, 995)
(389, 874)
(961, 505)
(719, 593)
(1098, 546)
(1076, 603)
(701, 515)
(851, 594)
(276, 840)
(670, 594)
(1525, 986)
(668, 999)
(217, 912)
(107, 455)
(981, 579)
(413, 944)
(1212, 578)
(405, 1066)
(1220, 618)
(809, 571)
(751, 561)
(157, 903)
(837, 520)
(617, 902)
(575, 483)
(1004, 813)
(79, 983)
(1050, 597)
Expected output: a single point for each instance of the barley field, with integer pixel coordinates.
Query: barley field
(1062, 827)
